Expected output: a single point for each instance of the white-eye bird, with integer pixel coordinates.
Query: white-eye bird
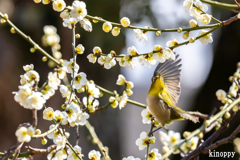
(164, 93)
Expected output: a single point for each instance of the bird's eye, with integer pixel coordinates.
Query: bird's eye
(154, 79)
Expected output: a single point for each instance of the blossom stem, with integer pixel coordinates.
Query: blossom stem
(97, 141)
(151, 29)
(220, 4)
(128, 101)
(148, 143)
(27, 38)
(74, 62)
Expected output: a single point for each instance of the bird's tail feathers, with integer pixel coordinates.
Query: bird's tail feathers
(190, 117)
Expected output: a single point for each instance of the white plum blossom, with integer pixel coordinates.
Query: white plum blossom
(23, 93)
(58, 155)
(107, 27)
(121, 80)
(47, 92)
(233, 90)
(53, 80)
(189, 146)
(65, 14)
(205, 18)
(108, 61)
(30, 77)
(187, 4)
(80, 80)
(69, 66)
(64, 91)
(172, 43)
(86, 25)
(195, 12)
(79, 10)
(97, 50)
(48, 113)
(168, 54)
(205, 39)
(122, 100)
(130, 158)
(73, 111)
(115, 31)
(28, 67)
(49, 30)
(144, 140)
(59, 5)
(90, 103)
(22, 135)
(132, 51)
(154, 155)
(94, 155)
(35, 101)
(72, 155)
(82, 118)
(79, 49)
(147, 60)
(53, 135)
(60, 141)
(93, 90)
(61, 72)
(70, 22)
(125, 22)
(126, 61)
(140, 35)
(92, 58)
(221, 94)
(58, 116)
(171, 139)
(146, 116)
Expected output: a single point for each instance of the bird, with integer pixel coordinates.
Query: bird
(164, 93)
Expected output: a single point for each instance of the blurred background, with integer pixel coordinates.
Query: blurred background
(205, 68)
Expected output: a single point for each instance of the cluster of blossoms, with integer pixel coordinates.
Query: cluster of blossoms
(198, 11)
(52, 39)
(169, 140)
(71, 15)
(121, 100)
(24, 134)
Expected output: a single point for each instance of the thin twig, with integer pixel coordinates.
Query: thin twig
(237, 3)
(77, 134)
(41, 151)
(35, 119)
(12, 151)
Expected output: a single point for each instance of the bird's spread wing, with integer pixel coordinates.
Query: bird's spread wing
(171, 72)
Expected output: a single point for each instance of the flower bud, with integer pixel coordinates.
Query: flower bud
(227, 115)
(3, 20)
(77, 36)
(116, 31)
(235, 109)
(38, 132)
(63, 106)
(125, 22)
(107, 26)
(44, 58)
(207, 123)
(217, 126)
(185, 35)
(5, 16)
(158, 33)
(179, 30)
(200, 135)
(165, 149)
(111, 99)
(44, 141)
(192, 39)
(12, 30)
(32, 50)
(186, 134)
(193, 23)
(114, 104)
(67, 135)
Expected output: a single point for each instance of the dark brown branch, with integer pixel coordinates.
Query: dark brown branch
(35, 119)
(230, 20)
(201, 149)
(77, 134)
(12, 151)
(225, 140)
(237, 3)
(41, 151)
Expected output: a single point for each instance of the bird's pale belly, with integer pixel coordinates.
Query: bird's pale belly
(159, 110)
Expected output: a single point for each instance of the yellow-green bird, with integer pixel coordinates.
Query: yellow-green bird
(164, 93)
